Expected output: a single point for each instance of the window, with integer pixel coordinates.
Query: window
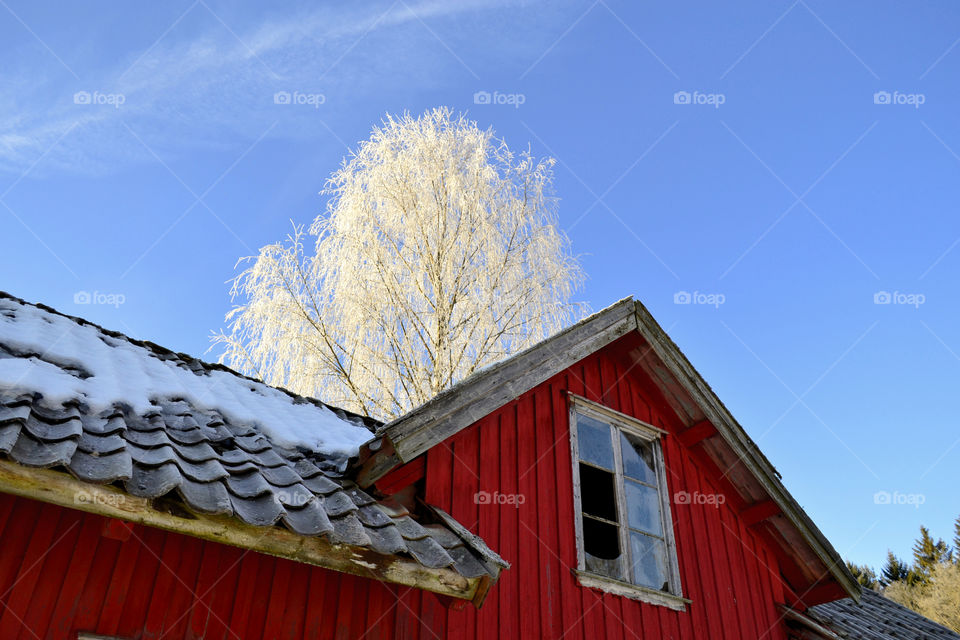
(624, 530)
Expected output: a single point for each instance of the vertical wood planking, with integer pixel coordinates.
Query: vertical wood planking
(162, 583)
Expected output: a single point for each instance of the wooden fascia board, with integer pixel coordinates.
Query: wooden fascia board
(743, 447)
(62, 489)
(490, 389)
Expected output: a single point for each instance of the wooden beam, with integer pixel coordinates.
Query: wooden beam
(62, 489)
(697, 433)
(378, 464)
(403, 476)
(758, 512)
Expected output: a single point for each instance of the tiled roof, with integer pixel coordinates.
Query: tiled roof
(215, 466)
(877, 618)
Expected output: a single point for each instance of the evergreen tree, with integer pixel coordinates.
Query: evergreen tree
(927, 554)
(864, 575)
(894, 570)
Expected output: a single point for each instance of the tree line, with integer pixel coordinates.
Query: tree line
(929, 583)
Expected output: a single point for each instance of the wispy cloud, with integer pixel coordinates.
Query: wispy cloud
(217, 85)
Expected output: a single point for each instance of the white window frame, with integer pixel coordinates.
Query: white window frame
(621, 422)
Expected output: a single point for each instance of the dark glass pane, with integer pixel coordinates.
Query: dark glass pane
(593, 438)
(638, 459)
(643, 507)
(649, 561)
(597, 493)
(601, 544)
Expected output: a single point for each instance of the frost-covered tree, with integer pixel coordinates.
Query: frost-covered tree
(439, 253)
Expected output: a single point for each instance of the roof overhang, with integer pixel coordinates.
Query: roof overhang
(62, 489)
(818, 574)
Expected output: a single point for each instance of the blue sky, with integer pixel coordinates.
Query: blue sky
(142, 153)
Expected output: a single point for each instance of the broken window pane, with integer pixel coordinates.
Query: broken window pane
(643, 507)
(649, 557)
(594, 440)
(601, 544)
(637, 459)
(597, 492)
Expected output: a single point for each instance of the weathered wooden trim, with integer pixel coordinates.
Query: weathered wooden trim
(757, 513)
(743, 447)
(632, 591)
(697, 433)
(378, 463)
(62, 489)
(488, 390)
(797, 617)
(631, 424)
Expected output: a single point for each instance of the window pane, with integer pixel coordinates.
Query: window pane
(593, 438)
(649, 561)
(601, 543)
(597, 494)
(643, 507)
(637, 459)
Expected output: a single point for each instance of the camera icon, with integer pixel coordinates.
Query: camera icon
(482, 497)
(882, 297)
(81, 97)
(681, 97)
(881, 497)
(682, 297)
(281, 97)
(481, 97)
(81, 297)
(681, 497)
(881, 97)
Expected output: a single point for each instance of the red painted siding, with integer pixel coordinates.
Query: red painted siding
(524, 448)
(60, 574)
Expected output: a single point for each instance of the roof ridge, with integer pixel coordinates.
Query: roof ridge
(370, 423)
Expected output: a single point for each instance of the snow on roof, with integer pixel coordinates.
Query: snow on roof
(66, 359)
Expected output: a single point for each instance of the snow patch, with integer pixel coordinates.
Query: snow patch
(121, 372)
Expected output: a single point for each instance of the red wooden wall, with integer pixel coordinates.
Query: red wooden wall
(59, 574)
(524, 448)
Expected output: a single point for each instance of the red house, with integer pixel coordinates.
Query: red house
(590, 487)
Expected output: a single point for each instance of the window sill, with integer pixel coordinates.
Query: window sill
(632, 591)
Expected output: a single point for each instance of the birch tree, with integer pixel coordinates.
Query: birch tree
(439, 253)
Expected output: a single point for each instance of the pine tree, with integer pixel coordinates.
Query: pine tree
(927, 554)
(865, 576)
(894, 570)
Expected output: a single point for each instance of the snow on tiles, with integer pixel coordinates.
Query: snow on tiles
(73, 361)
